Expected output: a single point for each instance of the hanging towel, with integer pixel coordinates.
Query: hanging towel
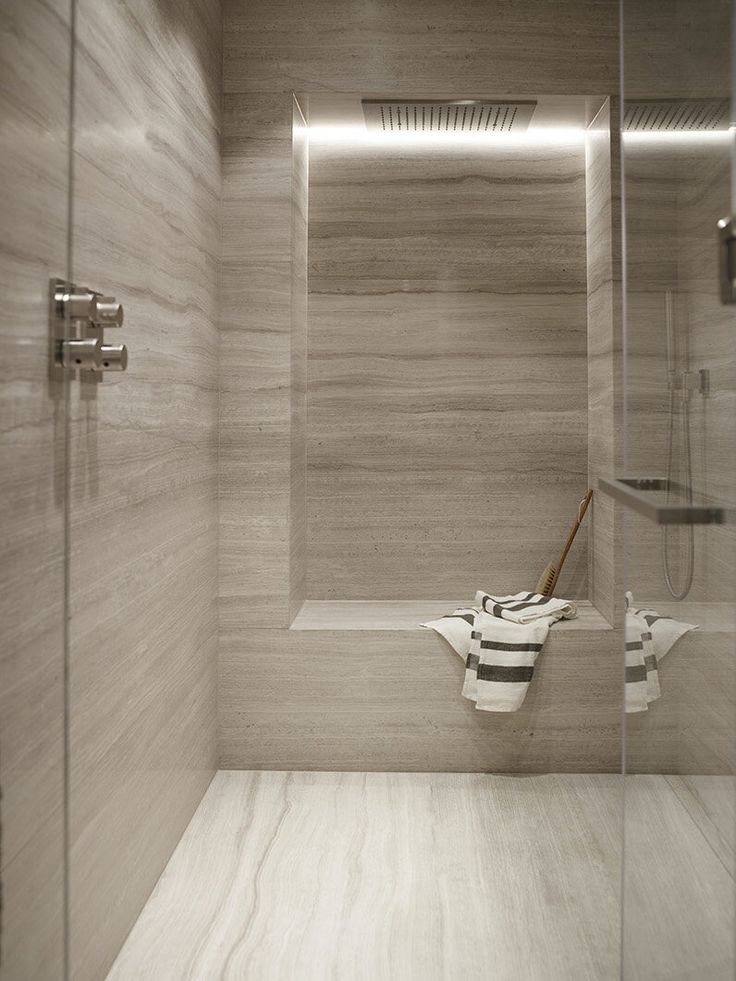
(649, 636)
(665, 631)
(501, 661)
(642, 677)
(499, 650)
(456, 628)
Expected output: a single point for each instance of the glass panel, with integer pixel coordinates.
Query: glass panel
(680, 385)
(35, 76)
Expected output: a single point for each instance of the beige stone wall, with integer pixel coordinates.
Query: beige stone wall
(447, 390)
(605, 358)
(143, 457)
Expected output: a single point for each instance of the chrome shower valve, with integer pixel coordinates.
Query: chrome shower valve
(85, 314)
(106, 312)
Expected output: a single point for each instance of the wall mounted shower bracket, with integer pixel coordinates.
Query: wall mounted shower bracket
(727, 260)
(650, 497)
(79, 317)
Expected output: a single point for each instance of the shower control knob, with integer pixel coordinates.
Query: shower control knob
(80, 355)
(77, 305)
(79, 317)
(113, 357)
(88, 354)
(106, 312)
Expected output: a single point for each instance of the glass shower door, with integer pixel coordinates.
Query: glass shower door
(35, 79)
(679, 441)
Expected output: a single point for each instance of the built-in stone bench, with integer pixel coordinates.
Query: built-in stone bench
(409, 614)
(361, 686)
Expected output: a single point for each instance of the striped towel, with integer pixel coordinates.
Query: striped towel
(642, 677)
(499, 638)
(526, 607)
(456, 628)
(649, 636)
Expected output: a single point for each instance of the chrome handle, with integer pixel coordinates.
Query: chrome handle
(106, 312)
(113, 357)
(76, 304)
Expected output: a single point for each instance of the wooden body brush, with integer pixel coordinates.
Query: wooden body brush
(548, 579)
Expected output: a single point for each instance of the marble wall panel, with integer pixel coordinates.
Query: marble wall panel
(377, 700)
(143, 453)
(675, 48)
(263, 363)
(447, 386)
(298, 358)
(423, 46)
(604, 353)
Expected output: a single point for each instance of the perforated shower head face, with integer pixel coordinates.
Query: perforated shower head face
(676, 115)
(447, 116)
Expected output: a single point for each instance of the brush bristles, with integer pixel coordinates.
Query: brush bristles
(547, 581)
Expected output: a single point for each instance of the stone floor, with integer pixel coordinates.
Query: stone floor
(404, 876)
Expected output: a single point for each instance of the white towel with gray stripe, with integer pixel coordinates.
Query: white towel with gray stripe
(526, 607)
(500, 638)
(649, 636)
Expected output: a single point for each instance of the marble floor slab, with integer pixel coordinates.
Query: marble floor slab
(397, 876)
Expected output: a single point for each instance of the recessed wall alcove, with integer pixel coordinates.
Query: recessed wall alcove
(445, 404)
(431, 340)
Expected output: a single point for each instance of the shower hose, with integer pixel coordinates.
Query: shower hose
(684, 588)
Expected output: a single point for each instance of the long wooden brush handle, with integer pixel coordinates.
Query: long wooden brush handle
(582, 508)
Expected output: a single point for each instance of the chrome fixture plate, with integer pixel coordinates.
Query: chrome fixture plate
(78, 319)
(447, 116)
(640, 494)
(675, 115)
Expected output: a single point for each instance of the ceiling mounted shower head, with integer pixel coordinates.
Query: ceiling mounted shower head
(443, 116)
(676, 115)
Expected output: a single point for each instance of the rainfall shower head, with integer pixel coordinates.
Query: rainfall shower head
(676, 115)
(439, 116)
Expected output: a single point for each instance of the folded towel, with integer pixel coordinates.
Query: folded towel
(525, 607)
(649, 636)
(500, 649)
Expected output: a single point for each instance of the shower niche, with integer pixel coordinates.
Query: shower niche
(451, 291)
(424, 342)
(436, 392)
